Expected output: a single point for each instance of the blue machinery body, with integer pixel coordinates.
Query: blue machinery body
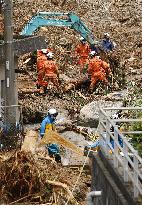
(47, 19)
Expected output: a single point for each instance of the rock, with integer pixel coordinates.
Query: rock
(62, 117)
(73, 136)
(89, 114)
(30, 141)
(117, 95)
(89, 130)
(64, 78)
(70, 158)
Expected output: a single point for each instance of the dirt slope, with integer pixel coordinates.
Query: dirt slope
(123, 20)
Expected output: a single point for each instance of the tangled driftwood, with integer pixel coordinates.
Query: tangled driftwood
(22, 180)
(31, 175)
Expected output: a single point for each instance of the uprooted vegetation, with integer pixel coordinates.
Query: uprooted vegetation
(38, 178)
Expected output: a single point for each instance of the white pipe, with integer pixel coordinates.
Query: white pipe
(91, 195)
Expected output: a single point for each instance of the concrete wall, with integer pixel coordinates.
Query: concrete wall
(24, 45)
(105, 180)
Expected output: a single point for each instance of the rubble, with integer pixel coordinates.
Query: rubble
(89, 114)
(36, 178)
(63, 41)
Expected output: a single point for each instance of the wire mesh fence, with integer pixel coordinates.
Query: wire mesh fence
(11, 127)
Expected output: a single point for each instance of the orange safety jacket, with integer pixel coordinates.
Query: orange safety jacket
(96, 65)
(83, 50)
(106, 67)
(40, 62)
(50, 67)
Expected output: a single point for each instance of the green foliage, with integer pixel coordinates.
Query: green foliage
(137, 138)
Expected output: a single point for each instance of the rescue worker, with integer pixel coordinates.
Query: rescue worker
(107, 44)
(97, 70)
(41, 58)
(43, 51)
(51, 70)
(82, 50)
(47, 124)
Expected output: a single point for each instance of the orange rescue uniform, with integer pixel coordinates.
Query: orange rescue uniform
(41, 70)
(97, 70)
(83, 51)
(39, 53)
(51, 72)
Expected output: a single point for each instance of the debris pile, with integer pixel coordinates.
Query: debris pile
(38, 178)
(100, 17)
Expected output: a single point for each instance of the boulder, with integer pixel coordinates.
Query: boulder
(117, 95)
(30, 141)
(89, 114)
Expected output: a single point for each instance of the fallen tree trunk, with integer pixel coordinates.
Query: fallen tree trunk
(76, 84)
(28, 91)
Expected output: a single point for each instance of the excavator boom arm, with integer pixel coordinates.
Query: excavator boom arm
(46, 19)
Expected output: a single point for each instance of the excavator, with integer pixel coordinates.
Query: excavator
(69, 20)
(61, 19)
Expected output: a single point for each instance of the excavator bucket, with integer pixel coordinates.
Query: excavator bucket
(54, 137)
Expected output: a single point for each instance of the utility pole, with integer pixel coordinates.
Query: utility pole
(9, 91)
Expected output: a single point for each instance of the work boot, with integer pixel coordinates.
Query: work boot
(38, 86)
(58, 158)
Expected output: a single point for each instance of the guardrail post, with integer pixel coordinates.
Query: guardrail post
(107, 136)
(100, 121)
(125, 161)
(101, 129)
(115, 159)
(135, 182)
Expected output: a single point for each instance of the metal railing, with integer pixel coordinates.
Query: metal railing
(11, 126)
(118, 149)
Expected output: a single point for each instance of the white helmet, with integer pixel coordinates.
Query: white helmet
(82, 39)
(107, 35)
(93, 53)
(44, 51)
(53, 112)
(50, 55)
